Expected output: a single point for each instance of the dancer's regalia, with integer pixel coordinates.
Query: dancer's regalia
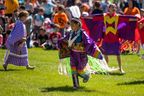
(16, 55)
(110, 29)
(78, 45)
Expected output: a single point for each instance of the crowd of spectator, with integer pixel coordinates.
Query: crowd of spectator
(49, 20)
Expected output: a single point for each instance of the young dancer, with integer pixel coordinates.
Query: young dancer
(78, 44)
(17, 53)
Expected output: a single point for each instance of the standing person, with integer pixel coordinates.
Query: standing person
(49, 8)
(123, 4)
(80, 45)
(109, 24)
(11, 6)
(141, 29)
(85, 8)
(38, 21)
(105, 4)
(1, 36)
(97, 8)
(61, 19)
(132, 9)
(17, 53)
(29, 26)
(111, 46)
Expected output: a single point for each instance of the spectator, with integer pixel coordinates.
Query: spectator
(1, 36)
(38, 21)
(42, 38)
(48, 7)
(105, 5)
(29, 26)
(61, 19)
(97, 8)
(54, 37)
(85, 9)
(11, 6)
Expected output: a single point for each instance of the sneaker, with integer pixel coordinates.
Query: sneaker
(122, 72)
(30, 67)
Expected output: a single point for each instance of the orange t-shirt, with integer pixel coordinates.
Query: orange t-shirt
(60, 19)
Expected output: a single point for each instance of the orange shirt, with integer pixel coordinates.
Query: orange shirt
(60, 19)
(33, 1)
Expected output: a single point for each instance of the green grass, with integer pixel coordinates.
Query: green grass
(45, 80)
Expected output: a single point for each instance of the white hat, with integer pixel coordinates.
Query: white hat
(76, 20)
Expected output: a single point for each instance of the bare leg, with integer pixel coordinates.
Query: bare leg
(119, 64)
(75, 81)
(138, 50)
(106, 58)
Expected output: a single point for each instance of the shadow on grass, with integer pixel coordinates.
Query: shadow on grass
(11, 70)
(116, 73)
(132, 82)
(67, 89)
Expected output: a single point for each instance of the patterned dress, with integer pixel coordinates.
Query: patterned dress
(16, 55)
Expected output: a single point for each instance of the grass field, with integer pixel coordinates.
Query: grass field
(45, 80)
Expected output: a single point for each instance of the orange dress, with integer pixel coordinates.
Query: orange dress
(135, 12)
(131, 11)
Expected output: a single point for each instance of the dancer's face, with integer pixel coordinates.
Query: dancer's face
(111, 9)
(74, 26)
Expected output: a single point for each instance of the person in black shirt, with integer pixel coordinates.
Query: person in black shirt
(42, 38)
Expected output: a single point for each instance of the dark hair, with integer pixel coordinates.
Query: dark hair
(8, 31)
(22, 7)
(97, 4)
(112, 5)
(42, 29)
(60, 7)
(134, 3)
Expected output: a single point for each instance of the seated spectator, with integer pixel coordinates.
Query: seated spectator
(38, 22)
(85, 9)
(42, 38)
(54, 37)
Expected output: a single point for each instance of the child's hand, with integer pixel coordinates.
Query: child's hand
(141, 25)
(21, 45)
